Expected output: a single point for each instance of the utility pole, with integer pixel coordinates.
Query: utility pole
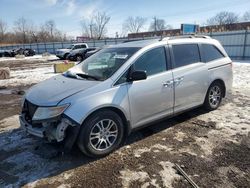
(155, 20)
(91, 31)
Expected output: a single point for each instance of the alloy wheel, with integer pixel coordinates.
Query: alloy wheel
(215, 96)
(103, 134)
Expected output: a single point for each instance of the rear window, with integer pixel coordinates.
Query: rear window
(186, 54)
(210, 53)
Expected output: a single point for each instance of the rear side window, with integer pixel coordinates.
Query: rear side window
(210, 53)
(185, 54)
(153, 61)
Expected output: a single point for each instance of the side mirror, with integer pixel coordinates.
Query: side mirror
(138, 75)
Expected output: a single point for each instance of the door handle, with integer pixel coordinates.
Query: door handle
(168, 83)
(178, 80)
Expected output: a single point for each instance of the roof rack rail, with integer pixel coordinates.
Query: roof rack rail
(185, 36)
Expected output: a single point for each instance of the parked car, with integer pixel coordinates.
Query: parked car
(19, 51)
(63, 53)
(5, 53)
(78, 54)
(29, 52)
(91, 52)
(122, 88)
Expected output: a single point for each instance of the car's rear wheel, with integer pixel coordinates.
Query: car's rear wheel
(214, 96)
(101, 134)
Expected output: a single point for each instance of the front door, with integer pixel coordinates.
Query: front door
(153, 98)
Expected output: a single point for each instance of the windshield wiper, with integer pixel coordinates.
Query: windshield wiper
(88, 76)
(68, 74)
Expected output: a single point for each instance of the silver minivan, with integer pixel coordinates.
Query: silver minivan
(97, 103)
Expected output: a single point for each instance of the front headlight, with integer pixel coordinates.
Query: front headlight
(49, 112)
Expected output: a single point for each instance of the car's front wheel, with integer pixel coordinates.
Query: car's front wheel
(101, 134)
(65, 56)
(214, 96)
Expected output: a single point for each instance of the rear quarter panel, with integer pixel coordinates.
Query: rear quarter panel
(221, 69)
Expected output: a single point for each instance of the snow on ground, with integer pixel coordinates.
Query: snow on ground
(28, 76)
(35, 57)
(241, 75)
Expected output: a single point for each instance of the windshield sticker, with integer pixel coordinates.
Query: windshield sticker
(120, 56)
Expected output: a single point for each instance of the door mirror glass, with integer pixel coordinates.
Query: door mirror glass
(138, 75)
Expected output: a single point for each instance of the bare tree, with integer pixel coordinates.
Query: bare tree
(48, 32)
(87, 27)
(223, 18)
(100, 20)
(158, 25)
(33, 33)
(50, 26)
(22, 28)
(134, 24)
(25, 31)
(246, 16)
(3, 29)
(95, 26)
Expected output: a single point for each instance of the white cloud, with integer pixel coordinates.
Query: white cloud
(51, 2)
(70, 7)
(86, 10)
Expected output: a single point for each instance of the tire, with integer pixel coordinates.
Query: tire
(6, 54)
(79, 58)
(26, 53)
(65, 56)
(94, 141)
(214, 96)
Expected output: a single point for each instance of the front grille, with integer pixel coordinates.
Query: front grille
(29, 110)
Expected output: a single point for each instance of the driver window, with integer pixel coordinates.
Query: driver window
(153, 61)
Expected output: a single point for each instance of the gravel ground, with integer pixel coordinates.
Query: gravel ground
(213, 148)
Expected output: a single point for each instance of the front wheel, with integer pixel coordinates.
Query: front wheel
(101, 134)
(65, 56)
(79, 58)
(214, 96)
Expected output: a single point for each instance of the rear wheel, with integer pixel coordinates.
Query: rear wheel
(101, 134)
(214, 96)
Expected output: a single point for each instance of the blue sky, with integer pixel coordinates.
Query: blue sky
(68, 13)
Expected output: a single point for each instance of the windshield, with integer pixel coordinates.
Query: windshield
(103, 64)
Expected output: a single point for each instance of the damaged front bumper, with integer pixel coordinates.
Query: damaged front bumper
(55, 129)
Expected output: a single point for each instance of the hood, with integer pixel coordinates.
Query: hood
(50, 92)
(78, 51)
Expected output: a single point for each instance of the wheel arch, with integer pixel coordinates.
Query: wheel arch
(65, 55)
(126, 122)
(218, 80)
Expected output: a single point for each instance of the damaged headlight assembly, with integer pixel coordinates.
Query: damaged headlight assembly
(43, 113)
